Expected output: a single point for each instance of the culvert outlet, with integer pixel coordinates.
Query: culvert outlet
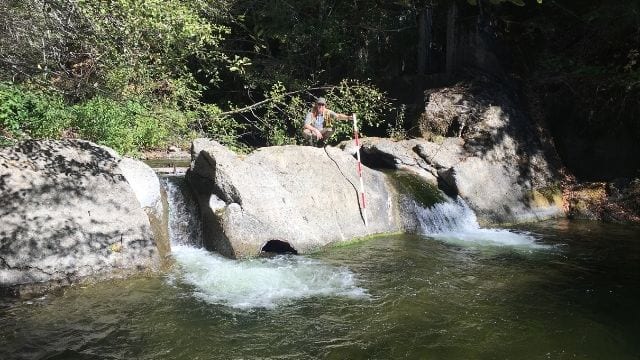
(279, 247)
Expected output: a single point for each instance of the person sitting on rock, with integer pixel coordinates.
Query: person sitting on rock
(317, 124)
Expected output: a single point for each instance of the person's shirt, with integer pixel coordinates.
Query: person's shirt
(318, 121)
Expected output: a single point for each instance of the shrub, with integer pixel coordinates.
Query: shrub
(30, 113)
(370, 105)
(127, 126)
(279, 118)
(221, 128)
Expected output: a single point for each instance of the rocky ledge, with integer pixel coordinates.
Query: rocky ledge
(287, 198)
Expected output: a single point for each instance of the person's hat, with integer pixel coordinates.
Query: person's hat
(321, 100)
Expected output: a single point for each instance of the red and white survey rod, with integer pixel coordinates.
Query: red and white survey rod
(364, 203)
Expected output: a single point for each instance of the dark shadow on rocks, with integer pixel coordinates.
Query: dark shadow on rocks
(204, 188)
(67, 213)
(278, 247)
(488, 113)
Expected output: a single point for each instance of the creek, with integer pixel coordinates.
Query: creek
(555, 289)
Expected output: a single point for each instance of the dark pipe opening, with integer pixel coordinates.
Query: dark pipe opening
(278, 247)
(376, 160)
(451, 191)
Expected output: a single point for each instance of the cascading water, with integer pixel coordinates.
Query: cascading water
(185, 227)
(454, 221)
(246, 284)
(447, 217)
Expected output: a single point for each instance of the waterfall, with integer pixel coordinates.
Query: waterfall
(455, 222)
(185, 227)
(449, 216)
(244, 284)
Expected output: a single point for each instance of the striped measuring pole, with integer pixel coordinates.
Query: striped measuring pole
(363, 199)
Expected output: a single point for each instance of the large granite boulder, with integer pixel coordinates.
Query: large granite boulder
(152, 197)
(68, 213)
(502, 184)
(293, 198)
(477, 142)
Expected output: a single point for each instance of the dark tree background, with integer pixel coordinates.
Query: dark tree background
(144, 74)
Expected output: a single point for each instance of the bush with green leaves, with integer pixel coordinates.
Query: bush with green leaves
(127, 126)
(396, 130)
(153, 48)
(280, 117)
(222, 128)
(31, 113)
(370, 105)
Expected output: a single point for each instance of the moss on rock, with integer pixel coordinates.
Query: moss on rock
(425, 193)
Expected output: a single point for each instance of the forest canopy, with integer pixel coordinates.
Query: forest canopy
(145, 74)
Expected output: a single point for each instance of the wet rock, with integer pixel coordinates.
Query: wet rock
(497, 162)
(152, 198)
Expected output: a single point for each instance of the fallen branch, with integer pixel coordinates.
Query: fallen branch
(266, 101)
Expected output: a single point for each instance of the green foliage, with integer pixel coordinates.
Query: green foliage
(34, 113)
(370, 105)
(282, 115)
(221, 128)
(159, 34)
(127, 126)
(144, 47)
(397, 130)
(136, 70)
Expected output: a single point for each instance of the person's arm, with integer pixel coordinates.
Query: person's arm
(338, 116)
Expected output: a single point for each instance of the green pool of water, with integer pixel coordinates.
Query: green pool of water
(410, 297)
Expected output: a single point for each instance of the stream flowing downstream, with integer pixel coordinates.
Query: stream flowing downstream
(556, 289)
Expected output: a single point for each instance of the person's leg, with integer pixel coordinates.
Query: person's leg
(326, 133)
(309, 136)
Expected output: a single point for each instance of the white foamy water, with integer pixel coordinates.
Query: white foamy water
(185, 227)
(454, 221)
(245, 284)
(261, 283)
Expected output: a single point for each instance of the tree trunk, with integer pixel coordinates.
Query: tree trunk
(425, 20)
(452, 14)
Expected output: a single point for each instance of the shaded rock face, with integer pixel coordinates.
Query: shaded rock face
(503, 169)
(68, 213)
(298, 198)
(617, 201)
(478, 144)
(145, 184)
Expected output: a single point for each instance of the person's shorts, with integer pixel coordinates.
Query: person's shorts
(311, 137)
